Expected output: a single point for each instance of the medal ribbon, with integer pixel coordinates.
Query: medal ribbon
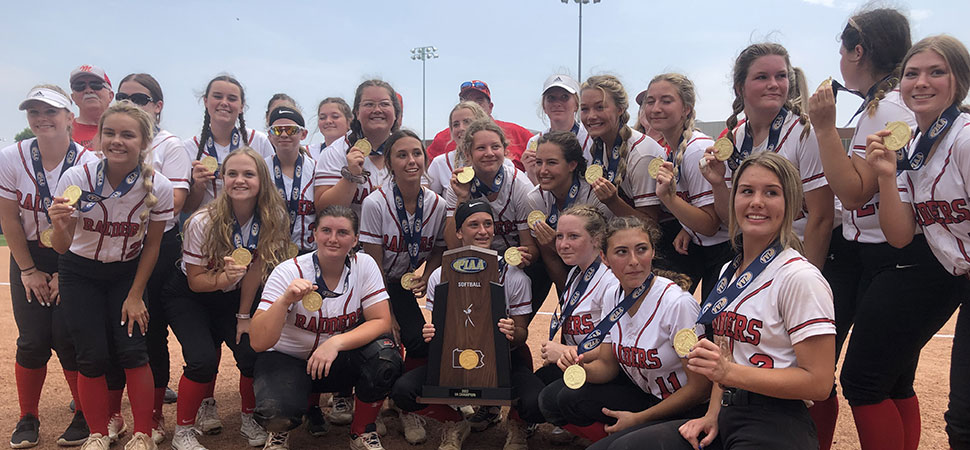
(95, 197)
(599, 149)
(595, 337)
(252, 234)
(575, 129)
(926, 141)
(567, 307)
(553, 217)
(293, 201)
(726, 292)
(210, 148)
(479, 189)
(735, 160)
(40, 175)
(322, 288)
(411, 230)
(869, 96)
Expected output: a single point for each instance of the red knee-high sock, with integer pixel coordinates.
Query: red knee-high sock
(312, 400)
(880, 427)
(413, 363)
(825, 414)
(30, 382)
(190, 397)
(593, 432)
(71, 377)
(909, 412)
(114, 401)
(364, 414)
(94, 397)
(246, 394)
(157, 401)
(441, 413)
(141, 395)
(210, 388)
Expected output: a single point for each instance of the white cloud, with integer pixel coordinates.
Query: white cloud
(920, 14)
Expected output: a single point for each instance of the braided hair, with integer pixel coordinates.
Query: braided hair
(146, 125)
(688, 96)
(612, 88)
(798, 94)
(206, 131)
(884, 36)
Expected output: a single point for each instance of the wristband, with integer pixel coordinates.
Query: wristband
(243, 316)
(27, 269)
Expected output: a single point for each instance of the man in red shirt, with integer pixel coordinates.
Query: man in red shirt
(477, 91)
(92, 93)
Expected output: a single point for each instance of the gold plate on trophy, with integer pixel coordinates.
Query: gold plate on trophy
(468, 359)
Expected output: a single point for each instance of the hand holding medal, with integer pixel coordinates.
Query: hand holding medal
(899, 136)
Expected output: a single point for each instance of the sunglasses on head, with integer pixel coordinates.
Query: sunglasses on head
(289, 130)
(95, 85)
(475, 84)
(137, 98)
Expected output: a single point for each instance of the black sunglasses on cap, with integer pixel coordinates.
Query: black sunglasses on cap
(137, 98)
(80, 86)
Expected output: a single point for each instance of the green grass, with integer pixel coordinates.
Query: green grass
(3, 241)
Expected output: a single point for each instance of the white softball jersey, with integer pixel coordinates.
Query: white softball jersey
(510, 208)
(545, 201)
(304, 331)
(589, 310)
(257, 140)
(862, 225)
(112, 230)
(643, 343)
(694, 189)
(194, 236)
(939, 195)
(440, 170)
(334, 158)
(380, 224)
(301, 231)
(170, 158)
(19, 183)
(785, 304)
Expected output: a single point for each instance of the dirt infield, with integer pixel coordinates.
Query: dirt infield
(932, 385)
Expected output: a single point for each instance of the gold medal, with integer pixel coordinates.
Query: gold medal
(312, 301)
(899, 135)
(574, 377)
(654, 167)
(825, 84)
(468, 359)
(292, 251)
(466, 175)
(533, 144)
(513, 256)
(364, 146)
(47, 238)
(72, 194)
(684, 340)
(723, 149)
(593, 173)
(210, 163)
(535, 217)
(407, 280)
(241, 256)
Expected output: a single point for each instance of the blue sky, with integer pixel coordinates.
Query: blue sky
(316, 49)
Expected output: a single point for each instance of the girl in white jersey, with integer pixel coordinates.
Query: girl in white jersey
(211, 298)
(169, 158)
(312, 348)
(109, 244)
(26, 187)
(694, 242)
(560, 103)
(224, 101)
(333, 121)
(346, 175)
(773, 98)
(624, 154)
(293, 174)
(442, 166)
(930, 192)
(771, 318)
(654, 385)
(862, 268)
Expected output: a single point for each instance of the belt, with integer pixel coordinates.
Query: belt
(741, 397)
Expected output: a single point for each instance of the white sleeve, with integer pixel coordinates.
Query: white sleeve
(193, 237)
(902, 183)
(175, 163)
(520, 201)
(805, 303)
(518, 292)
(164, 208)
(276, 285)
(681, 313)
(451, 201)
(699, 190)
(433, 281)
(9, 163)
(328, 167)
(372, 283)
(643, 187)
(438, 221)
(809, 162)
(370, 219)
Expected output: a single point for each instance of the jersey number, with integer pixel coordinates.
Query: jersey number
(665, 391)
(762, 360)
(866, 211)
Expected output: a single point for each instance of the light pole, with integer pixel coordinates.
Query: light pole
(579, 65)
(423, 54)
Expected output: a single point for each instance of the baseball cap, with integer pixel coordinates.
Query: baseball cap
(642, 95)
(46, 95)
(470, 207)
(477, 85)
(285, 112)
(559, 80)
(86, 69)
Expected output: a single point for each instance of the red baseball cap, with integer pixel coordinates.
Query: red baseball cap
(476, 85)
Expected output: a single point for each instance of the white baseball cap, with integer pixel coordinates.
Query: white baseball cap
(46, 95)
(87, 69)
(560, 80)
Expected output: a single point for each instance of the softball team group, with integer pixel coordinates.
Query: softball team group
(309, 263)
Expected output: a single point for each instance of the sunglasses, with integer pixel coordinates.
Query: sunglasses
(475, 84)
(289, 130)
(136, 98)
(95, 85)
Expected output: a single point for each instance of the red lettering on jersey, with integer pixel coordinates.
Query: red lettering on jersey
(754, 331)
(639, 358)
(29, 202)
(941, 212)
(738, 327)
(300, 321)
(960, 208)
(305, 208)
(577, 325)
(397, 245)
(666, 390)
(866, 210)
(505, 227)
(360, 195)
(762, 360)
(111, 229)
